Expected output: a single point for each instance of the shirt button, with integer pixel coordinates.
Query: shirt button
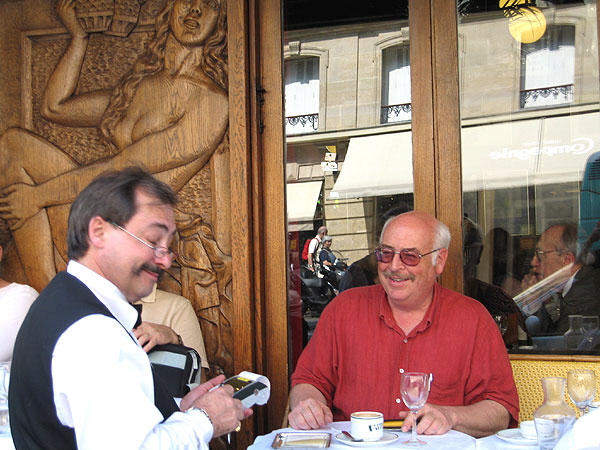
(398, 400)
(406, 341)
(401, 370)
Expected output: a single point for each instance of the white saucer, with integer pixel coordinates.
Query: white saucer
(514, 436)
(387, 438)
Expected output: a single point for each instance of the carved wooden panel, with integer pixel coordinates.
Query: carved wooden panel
(173, 120)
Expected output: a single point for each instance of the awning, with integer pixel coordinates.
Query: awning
(528, 152)
(376, 165)
(302, 200)
(495, 156)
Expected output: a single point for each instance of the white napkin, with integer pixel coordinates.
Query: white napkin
(583, 435)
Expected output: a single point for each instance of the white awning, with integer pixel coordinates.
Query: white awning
(495, 156)
(376, 165)
(528, 152)
(302, 200)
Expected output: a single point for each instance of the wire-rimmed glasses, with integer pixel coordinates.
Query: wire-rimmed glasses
(409, 256)
(159, 252)
(539, 254)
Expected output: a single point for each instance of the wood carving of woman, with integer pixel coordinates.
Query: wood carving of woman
(168, 114)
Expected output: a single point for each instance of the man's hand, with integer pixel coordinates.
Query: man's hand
(431, 419)
(479, 419)
(530, 279)
(310, 414)
(151, 334)
(225, 412)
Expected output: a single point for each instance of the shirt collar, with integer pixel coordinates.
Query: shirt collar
(151, 298)
(108, 294)
(385, 312)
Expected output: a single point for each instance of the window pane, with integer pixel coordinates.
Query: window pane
(345, 65)
(530, 136)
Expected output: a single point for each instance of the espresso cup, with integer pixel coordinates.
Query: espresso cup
(528, 429)
(366, 425)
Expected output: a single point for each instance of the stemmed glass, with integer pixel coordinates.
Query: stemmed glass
(581, 385)
(414, 388)
(502, 322)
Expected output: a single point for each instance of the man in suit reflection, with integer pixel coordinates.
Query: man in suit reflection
(368, 336)
(557, 248)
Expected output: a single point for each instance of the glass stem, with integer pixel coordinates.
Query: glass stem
(414, 428)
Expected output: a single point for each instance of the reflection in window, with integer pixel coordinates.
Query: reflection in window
(395, 96)
(302, 95)
(548, 68)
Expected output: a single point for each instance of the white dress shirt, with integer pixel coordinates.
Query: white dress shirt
(103, 386)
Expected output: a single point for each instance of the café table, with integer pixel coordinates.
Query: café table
(450, 441)
(453, 440)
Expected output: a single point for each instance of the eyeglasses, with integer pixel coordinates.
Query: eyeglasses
(539, 254)
(409, 257)
(159, 252)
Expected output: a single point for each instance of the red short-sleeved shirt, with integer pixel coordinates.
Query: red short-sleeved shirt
(357, 354)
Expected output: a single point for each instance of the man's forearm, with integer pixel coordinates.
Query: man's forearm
(305, 391)
(478, 420)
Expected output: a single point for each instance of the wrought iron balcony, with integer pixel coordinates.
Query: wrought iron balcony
(304, 120)
(391, 113)
(531, 95)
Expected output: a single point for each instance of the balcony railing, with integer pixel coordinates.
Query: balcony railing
(529, 97)
(396, 113)
(303, 120)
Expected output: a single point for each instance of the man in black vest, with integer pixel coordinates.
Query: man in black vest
(79, 377)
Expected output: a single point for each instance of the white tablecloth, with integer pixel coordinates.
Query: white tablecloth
(453, 440)
(495, 443)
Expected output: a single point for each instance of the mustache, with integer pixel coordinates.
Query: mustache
(150, 268)
(398, 275)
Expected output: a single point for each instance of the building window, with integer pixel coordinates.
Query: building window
(548, 68)
(395, 95)
(302, 95)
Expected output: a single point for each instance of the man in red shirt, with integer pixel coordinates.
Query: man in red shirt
(367, 337)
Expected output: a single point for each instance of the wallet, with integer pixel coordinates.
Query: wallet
(177, 367)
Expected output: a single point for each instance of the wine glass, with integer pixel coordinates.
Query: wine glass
(502, 322)
(414, 388)
(581, 385)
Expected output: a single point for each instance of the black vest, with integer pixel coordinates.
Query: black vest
(33, 419)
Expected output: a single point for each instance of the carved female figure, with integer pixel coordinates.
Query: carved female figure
(169, 114)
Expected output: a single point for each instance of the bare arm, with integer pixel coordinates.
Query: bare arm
(58, 103)
(478, 420)
(191, 139)
(308, 407)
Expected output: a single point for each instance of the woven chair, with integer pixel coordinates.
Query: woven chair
(528, 370)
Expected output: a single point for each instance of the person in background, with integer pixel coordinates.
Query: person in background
(15, 300)
(79, 377)
(315, 247)
(168, 318)
(368, 336)
(498, 302)
(326, 256)
(557, 248)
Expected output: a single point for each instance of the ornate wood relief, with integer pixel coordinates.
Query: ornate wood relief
(97, 101)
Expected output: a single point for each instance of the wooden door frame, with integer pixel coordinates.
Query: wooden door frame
(260, 324)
